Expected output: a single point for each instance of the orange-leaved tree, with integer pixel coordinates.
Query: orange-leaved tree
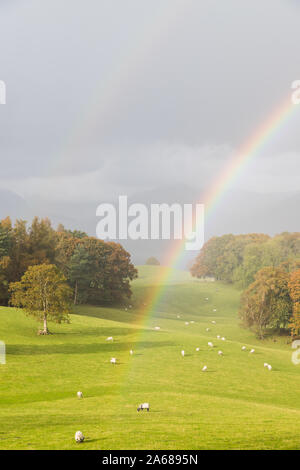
(267, 303)
(294, 288)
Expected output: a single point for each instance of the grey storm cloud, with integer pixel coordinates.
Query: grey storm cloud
(111, 96)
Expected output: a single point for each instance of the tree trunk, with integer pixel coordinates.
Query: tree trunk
(45, 331)
(75, 293)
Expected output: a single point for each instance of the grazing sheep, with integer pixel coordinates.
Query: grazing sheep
(206, 298)
(113, 360)
(182, 353)
(157, 327)
(197, 349)
(207, 329)
(79, 437)
(214, 310)
(192, 321)
(178, 316)
(213, 322)
(125, 309)
(269, 367)
(204, 368)
(252, 351)
(210, 344)
(266, 364)
(143, 406)
(79, 394)
(220, 353)
(130, 306)
(218, 336)
(243, 348)
(131, 352)
(223, 339)
(186, 322)
(110, 338)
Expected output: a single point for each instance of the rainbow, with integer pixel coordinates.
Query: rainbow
(232, 170)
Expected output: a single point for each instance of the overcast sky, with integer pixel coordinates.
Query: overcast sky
(108, 97)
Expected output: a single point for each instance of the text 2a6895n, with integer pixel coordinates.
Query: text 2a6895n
(171, 459)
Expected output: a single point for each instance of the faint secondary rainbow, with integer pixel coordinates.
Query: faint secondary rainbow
(211, 198)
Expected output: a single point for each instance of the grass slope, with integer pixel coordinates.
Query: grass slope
(236, 404)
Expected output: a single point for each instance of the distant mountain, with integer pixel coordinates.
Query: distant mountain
(237, 212)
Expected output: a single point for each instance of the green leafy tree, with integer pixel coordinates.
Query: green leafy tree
(80, 269)
(44, 294)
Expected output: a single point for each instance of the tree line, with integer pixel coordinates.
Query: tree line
(95, 271)
(269, 271)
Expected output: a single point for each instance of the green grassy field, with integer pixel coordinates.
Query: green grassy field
(236, 404)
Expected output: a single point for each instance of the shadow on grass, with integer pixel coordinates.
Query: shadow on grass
(70, 348)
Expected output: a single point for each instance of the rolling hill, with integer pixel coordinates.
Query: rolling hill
(236, 404)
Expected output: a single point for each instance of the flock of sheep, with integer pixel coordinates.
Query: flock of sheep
(79, 437)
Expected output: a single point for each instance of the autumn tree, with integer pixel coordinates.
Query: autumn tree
(43, 293)
(223, 257)
(5, 260)
(266, 303)
(294, 288)
(42, 242)
(64, 250)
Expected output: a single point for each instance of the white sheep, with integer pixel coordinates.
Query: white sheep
(223, 338)
(269, 367)
(197, 349)
(220, 353)
(252, 351)
(214, 310)
(182, 353)
(207, 329)
(204, 368)
(178, 316)
(192, 321)
(210, 344)
(79, 394)
(186, 322)
(79, 437)
(213, 322)
(243, 348)
(143, 406)
(157, 327)
(110, 338)
(218, 337)
(131, 352)
(113, 360)
(206, 298)
(266, 364)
